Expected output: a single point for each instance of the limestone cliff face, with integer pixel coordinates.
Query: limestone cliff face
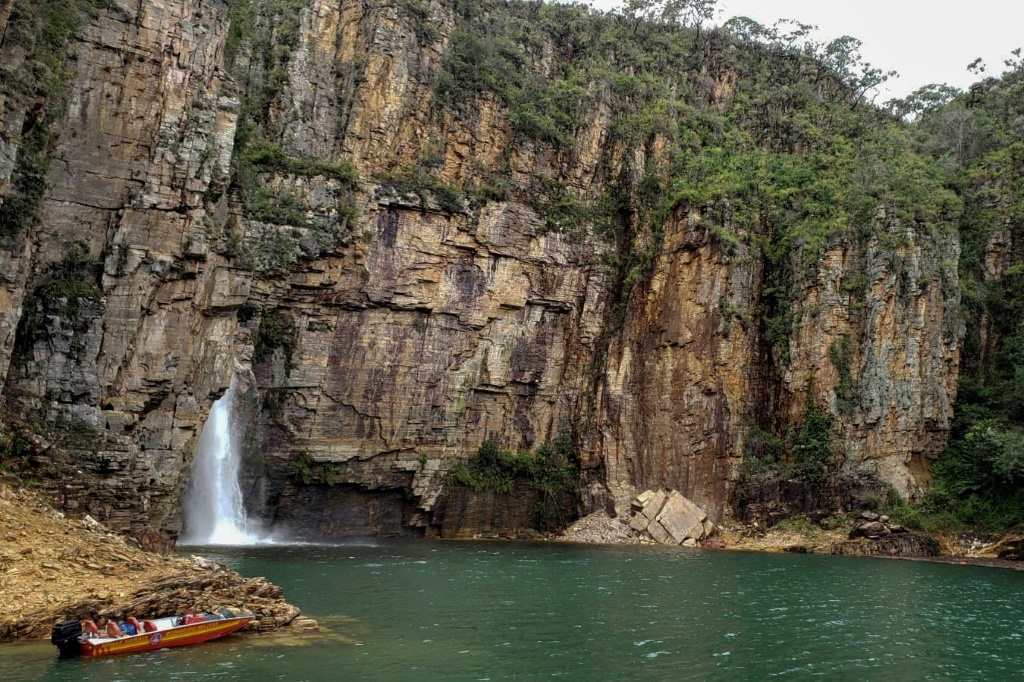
(122, 379)
(677, 398)
(389, 341)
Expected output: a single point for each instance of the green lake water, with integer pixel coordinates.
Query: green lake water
(498, 611)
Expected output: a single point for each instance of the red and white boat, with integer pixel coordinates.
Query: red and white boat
(74, 638)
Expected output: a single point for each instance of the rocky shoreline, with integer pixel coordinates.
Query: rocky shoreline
(865, 534)
(54, 568)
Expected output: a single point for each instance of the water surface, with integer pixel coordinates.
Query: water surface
(498, 611)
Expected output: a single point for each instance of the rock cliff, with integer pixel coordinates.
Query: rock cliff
(276, 183)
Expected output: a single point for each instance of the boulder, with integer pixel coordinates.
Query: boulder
(669, 518)
(682, 519)
(641, 500)
(654, 505)
(639, 523)
(660, 535)
(871, 529)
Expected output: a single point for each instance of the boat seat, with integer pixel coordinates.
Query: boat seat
(191, 618)
(148, 626)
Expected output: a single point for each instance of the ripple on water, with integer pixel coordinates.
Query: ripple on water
(469, 611)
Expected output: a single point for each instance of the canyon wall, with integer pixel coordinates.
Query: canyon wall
(394, 327)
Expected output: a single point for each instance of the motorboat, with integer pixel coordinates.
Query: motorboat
(82, 638)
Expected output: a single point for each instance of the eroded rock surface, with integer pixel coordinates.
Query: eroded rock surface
(390, 331)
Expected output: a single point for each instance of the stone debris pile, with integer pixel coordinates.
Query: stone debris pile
(669, 518)
(875, 536)
(874, 526)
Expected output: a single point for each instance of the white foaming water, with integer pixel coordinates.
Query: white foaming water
(214, 513)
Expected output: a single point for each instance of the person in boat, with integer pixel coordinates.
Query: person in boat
(125, 628)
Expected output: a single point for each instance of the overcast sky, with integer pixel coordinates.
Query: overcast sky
(926, 41)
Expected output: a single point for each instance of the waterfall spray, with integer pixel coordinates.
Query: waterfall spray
(214, 513)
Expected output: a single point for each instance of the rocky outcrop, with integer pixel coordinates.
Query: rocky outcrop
(521, 514)
(1010, 546)
(895, 545)
(767, 498)
(875, 536)
(393, 326)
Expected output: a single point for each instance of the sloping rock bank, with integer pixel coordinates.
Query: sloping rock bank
(899, 545)
(1009, 547)
(875, 536)
(53, 568)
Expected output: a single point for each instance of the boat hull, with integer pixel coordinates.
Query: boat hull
(182, 635)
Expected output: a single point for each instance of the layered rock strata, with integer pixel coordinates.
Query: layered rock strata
(389, 343)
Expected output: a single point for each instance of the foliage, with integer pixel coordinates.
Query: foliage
(45, 31)
(276, 332)
(310, 472)
(268, 157)
(841, 355)
(60, 295)
(426, 186)
(14, 448)
(551, 469)
(805, 454)
(978, 136)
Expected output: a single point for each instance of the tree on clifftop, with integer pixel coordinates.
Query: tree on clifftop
(686, 13)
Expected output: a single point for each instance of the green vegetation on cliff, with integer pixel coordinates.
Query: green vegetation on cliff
(978, 137)
(551, 471)
(272, 180)
(45, 31)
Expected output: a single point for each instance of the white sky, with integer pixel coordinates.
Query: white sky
(926, 41)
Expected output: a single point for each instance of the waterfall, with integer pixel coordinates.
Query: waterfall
(214, 513)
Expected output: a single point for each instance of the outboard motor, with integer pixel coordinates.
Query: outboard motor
(65, 638)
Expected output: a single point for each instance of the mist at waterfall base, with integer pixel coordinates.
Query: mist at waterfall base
(214, 510)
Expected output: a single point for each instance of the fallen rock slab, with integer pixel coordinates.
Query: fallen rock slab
(682, 519)
(669, 518)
